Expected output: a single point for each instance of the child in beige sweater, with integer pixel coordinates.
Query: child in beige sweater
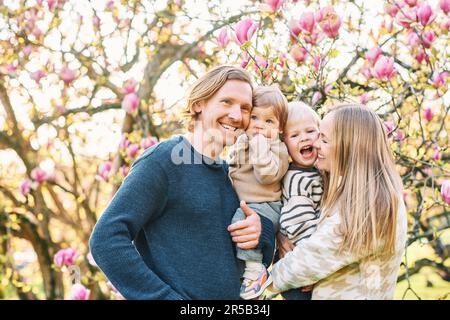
(257, 163)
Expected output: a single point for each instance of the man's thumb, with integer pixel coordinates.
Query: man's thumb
(246, 208)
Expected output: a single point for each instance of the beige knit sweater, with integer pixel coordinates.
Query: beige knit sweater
(257, 167)
(340, 276)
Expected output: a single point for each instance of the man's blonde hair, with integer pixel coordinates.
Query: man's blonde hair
(363, 184)
(271, 96)
(206, 86)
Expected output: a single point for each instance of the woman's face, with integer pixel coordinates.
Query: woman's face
(323, 144)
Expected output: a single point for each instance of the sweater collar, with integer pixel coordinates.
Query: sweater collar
(198, 158)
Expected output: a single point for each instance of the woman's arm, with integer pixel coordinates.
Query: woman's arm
(313, 259)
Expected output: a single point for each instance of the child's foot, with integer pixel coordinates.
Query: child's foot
(252, 288)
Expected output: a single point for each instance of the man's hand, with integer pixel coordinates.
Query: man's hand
(246, 232)
(284, 244)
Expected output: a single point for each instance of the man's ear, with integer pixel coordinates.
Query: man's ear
(198, 107)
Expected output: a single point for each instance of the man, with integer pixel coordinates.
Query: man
(166, 232)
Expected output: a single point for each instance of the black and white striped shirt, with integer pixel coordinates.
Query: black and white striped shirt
(301, 194)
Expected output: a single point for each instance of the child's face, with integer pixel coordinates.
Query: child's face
(299, 137)
(263, 121)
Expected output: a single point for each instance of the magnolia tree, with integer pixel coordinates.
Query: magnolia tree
(86, 86)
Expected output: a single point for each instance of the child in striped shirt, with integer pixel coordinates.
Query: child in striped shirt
(302, 185)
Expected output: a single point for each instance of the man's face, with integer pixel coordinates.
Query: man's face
(227, 113)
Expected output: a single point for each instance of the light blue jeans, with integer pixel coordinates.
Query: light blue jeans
(270, 210)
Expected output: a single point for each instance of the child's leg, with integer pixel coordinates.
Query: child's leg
(256, 277)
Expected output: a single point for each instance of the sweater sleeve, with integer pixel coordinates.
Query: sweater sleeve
(313, 259)
(298, 218)
(141, 198)
(270, 159)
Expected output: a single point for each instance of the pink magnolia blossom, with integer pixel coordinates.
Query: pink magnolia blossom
(314, 37)
(316, 97)
(425, 13)
(260, 63)
(428, 114)
(67, 75)
(389, 126)
(36, 32)
(294, 27)
(428, 38)
(406, 17)
(445, 26)
(364, 98)
(391, 9)
(25, 186)
(316, 63)
(148, 142)
(307, 22)
(79, 292)
(245, 59)
(104, 170)
(399, 136)
(129, 86)
(366, 70)
(384, 68)
(436, 154)
(110, 5)
(282, 60)
(65, 257)
(274, 5)
(27, 50)
(440, 78)
(445, 6)
(244, 30)
(223, 38)
(373, 54)
(388, 25)
(130, 103)
(133, 150)
(39, 175)
(411, 3)
(299, 54)
(421, 56)
(445, 191)
(96, 21)
(37, 75)
(413, 39)
(52, 4)
(330, 22)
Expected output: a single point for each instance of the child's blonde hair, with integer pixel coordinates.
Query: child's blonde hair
(296, 110)
(271, 96)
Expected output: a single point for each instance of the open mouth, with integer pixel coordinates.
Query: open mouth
(228, 127)
(307, 151)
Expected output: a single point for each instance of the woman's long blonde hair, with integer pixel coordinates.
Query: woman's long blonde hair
(363, 184)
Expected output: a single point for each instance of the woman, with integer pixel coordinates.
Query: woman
(356, 251)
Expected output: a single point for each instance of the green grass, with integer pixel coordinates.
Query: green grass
(437, 288)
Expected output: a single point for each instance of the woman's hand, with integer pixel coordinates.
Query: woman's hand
(284, 244)
(246, 232)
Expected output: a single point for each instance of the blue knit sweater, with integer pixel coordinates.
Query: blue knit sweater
(164, 234)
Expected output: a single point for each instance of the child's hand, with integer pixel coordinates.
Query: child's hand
(284, 244)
